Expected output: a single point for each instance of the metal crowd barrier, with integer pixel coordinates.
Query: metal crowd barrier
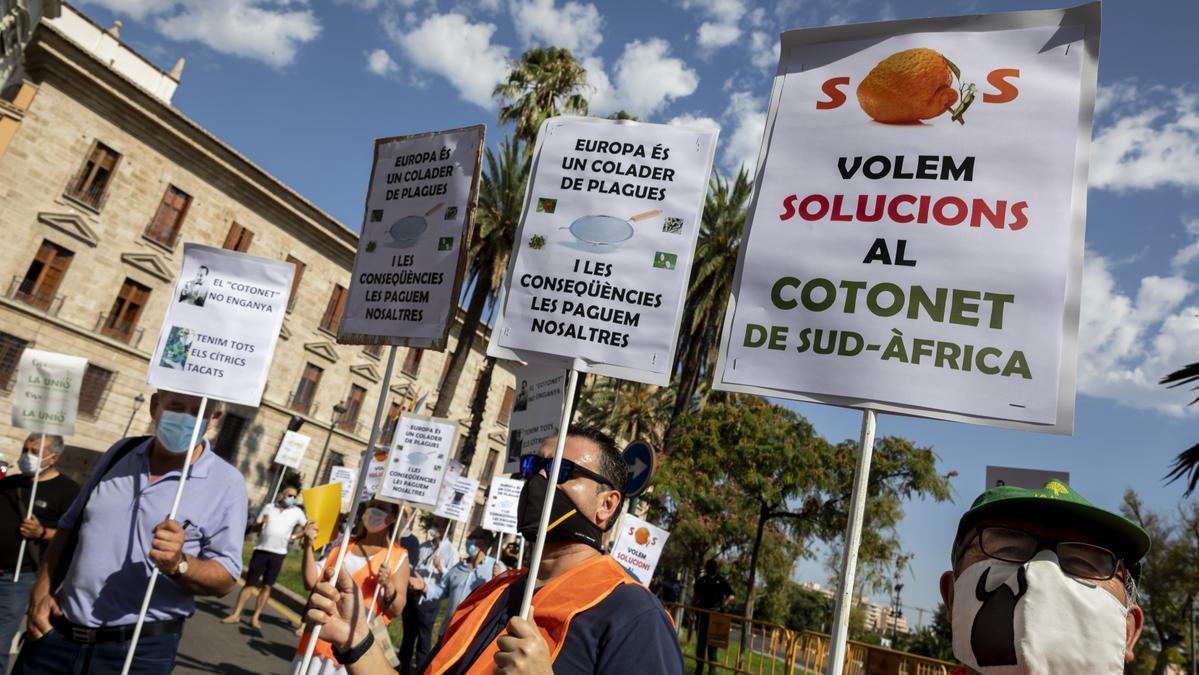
(771, 649)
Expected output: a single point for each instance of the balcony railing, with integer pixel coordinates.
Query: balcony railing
(22, 289)
(122, 330)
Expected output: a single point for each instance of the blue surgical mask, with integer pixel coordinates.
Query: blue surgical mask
(471, 549)
(174, 430)
(289, 501)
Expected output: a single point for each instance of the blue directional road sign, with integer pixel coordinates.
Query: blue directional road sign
(640, 459)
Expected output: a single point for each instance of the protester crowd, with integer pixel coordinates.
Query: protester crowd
(1039, 579)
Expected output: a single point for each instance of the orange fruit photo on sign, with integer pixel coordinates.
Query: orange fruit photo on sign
(910, 86)
(642, 536)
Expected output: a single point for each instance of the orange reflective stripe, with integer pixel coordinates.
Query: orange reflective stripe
(556, 604)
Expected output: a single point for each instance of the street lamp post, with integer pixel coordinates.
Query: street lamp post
(137, 404)
(339, 409)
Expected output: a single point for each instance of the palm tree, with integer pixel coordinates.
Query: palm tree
(543, 83)
(1187, 461)
(725, 209)
(627, 410)
(501, 193)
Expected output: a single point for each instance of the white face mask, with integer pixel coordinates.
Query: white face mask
(27, 462)
(1034, 619)
(376, 519)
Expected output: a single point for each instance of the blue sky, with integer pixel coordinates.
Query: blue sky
(303, 86)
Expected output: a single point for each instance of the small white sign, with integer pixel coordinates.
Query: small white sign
(417, 463)
(46, 396)
(291, 449)
(536, 411)
(502, 501)
(638, 547)
(346, 476)
(604, 249)
(457, 499)
(374, 473)
(219, 334)
(412, 252)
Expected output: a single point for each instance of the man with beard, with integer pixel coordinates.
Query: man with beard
(589, 615)
(1043, 582)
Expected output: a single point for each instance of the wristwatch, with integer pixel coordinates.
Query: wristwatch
(356, 652)
(181, 569)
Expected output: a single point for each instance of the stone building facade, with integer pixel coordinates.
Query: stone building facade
(101, 182)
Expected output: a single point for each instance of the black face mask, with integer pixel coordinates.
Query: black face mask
(567, 523)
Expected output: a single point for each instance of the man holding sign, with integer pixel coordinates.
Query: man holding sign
(621, 627)
(54, 497)
(112, 539)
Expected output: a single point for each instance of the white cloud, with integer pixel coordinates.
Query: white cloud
(1127, 344)
(380, 63)
(1151, 138)
(270, 31)
(691, 120)
(746, 117)
(575, 26)
(716, 35)
(1189, 252)
(722, 11)
(645, 79)
(763, 49)
(460, 51)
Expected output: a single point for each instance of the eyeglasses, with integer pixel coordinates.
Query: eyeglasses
(533, 464)
(1076, 558)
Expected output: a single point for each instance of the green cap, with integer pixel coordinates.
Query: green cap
(1059, 503)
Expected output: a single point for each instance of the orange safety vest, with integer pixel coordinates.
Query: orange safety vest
(556, 604)
(365, 578)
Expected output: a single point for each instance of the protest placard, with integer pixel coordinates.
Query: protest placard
(604, 247)
(291, 449)
(417, 463)
(322, 504)
(457, 498)
(503, 498)
(412, 251)
(536, 407)
(346, 477)
(46, 393)
(912, 247)
(221, 326)
(639, 546)
(374, 473)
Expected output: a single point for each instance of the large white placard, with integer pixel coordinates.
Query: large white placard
(639, 546)
(346, 476)
(46, 394)
(291, 449)
(536, 411)
(412, 251)
(417, 463)
(222, 324)
(503, 498)
(457, 498)
(906, 253)
(604, 247)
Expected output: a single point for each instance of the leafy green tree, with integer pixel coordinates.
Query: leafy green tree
(934, 640)
(627, 410)
(545, 82)
(1169, 583)
(1186, 464)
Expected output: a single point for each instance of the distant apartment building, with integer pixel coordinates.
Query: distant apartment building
(101, 182)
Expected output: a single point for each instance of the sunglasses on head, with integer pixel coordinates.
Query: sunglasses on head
(531, 465)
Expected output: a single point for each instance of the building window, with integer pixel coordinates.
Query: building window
(301, 401)
(93, 389)
(493, 458)
(44, 275)
(295, 281)
(11, 348)
(349, 420)
(164, 229)
(411, 364)
(374, 350)
(391, 423)
(126, 310)
(238, 239)
(506, 407)
(337, 305)
(94, 176)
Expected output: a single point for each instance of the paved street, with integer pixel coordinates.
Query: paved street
(212, 647)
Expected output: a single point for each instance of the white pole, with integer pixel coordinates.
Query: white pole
(395, 529)
(187, 462)
(520, 555)
(853, 539)
(37, 475)
(278, 483)
(572, 378)
(363, 471)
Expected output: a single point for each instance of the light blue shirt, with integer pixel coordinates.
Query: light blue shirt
(111, 567)
(461, 580)
(448, 555)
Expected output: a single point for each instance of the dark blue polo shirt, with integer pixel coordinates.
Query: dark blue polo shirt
(626, 632)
